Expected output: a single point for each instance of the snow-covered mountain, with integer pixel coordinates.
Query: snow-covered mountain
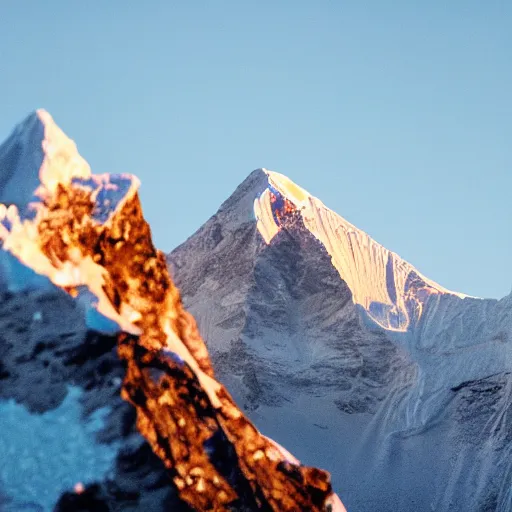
(400, 388)
(108, 399)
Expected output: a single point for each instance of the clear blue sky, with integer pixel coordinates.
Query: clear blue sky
(397, 115)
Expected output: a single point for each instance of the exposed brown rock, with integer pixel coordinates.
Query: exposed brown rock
(175, 412)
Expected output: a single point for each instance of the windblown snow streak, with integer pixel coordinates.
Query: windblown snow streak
(391, 291)
(87, 235)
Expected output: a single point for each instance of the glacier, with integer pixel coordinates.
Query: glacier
(400, 387)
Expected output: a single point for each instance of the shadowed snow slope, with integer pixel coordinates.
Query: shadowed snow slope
(94, 341)
(402, 388)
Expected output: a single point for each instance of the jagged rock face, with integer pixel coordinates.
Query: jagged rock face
(87, 236)
(330, 341)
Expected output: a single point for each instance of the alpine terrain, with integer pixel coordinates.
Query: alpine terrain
(108, 399)
(346, 353)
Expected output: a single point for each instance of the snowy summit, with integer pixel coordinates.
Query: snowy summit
(95, 339)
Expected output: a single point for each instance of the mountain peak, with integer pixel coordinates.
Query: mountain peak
(86, 234)
(39, 166)
(35, 159)
(389, 289)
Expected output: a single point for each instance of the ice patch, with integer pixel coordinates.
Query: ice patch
(49, 453)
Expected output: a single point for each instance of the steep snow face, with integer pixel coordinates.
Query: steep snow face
(410, 410)
(391, 291)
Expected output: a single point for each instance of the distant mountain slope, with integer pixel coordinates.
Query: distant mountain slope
(403, 388)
